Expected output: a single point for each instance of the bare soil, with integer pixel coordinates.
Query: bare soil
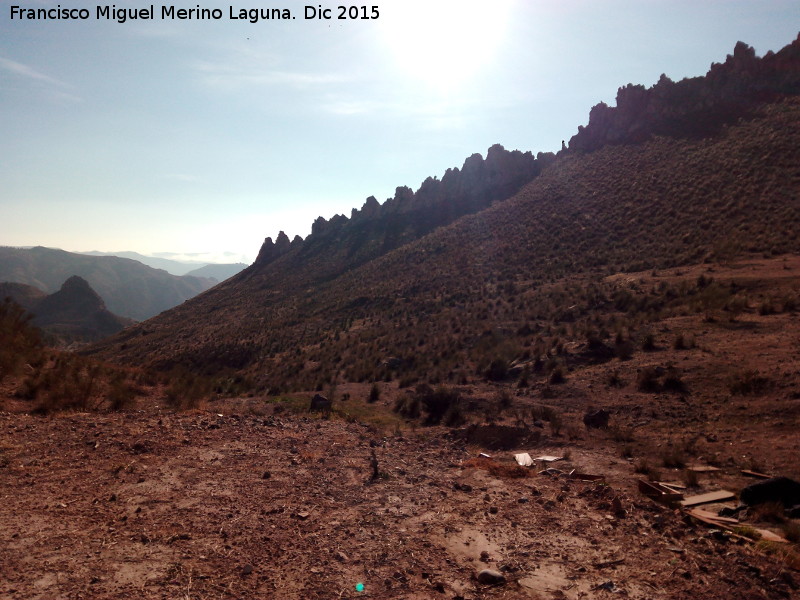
(199, 505)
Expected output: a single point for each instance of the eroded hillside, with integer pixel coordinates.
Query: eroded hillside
(515, 272)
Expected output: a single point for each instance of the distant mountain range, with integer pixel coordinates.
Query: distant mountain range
(220, 272)
(75, 313)
(434, 278)
(127, 287)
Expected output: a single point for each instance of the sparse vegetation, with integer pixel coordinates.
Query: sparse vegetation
(21, 343)
(770, 512)
(791, 531)
(614, 379)
(647, 380)
(621, 435)
(673, 458)
(747, 383)
(644, 467)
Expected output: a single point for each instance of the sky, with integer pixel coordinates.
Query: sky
(201, 137)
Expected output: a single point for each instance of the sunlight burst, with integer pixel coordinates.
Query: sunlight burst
(447, 42)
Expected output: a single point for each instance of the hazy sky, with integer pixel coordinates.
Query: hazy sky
(205, 136)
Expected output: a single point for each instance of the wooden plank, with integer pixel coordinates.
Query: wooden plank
(676, 487)
(586, 477)
(707, 518)
(771, 537)
(709, 515)
(658, 492)
(725, 523)
(755, 474)
(717, 496)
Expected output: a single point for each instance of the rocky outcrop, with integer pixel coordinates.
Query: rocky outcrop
(271, 250)
(693, 107)
(340, 243)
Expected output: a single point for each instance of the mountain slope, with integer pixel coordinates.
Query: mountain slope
(448, 296)
(25, 295)
(128, 288)
(663, 202)
(76, 313)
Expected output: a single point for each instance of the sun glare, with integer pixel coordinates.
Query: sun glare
(446, 42)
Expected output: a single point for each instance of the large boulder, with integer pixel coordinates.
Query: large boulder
(778, 489)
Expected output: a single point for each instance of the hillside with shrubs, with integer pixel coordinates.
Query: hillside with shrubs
(490, 283)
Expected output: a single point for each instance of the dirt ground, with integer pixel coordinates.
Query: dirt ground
(198, 505)
(238, 501)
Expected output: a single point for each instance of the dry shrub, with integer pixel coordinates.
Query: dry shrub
(673, 458)
(769, 512)
(645, 468)
(690, 478)
(374, 393)
(786, 553)
(747, 383)
(647, 380)
(791, 531)
(614, 379)
(21, 342)
(621, 435)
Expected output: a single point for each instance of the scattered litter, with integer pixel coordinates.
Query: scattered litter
(702, 469)
(552, 472)
(484, 455)
(755, 474)
(717, 496)
(303, 515)
(609, 563)
(731, 511)
(727, 523)
(710, 518)
(608, 586)
(771, 537)
(524, 459)
(585, 476)
(548, 458)
(491, 577)
(659, 493)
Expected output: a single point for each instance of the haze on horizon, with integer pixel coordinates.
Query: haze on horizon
(207, 136)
